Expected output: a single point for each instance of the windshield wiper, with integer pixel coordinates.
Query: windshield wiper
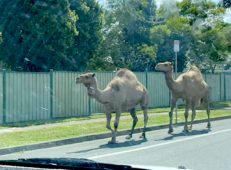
(63, 163)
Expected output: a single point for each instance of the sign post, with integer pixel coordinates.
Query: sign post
(176, 49)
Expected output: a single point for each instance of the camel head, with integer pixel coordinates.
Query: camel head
(86, 79)
(89, 81)
(164, 67)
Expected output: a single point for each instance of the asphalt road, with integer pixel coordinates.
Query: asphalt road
(199, 149)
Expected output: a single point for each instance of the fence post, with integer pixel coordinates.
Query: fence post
(4, 96)
(220, 86)
(89, 107)
(51, 93)
(146, 78)
(224, 87)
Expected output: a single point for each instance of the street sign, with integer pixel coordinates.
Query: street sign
(176, 45)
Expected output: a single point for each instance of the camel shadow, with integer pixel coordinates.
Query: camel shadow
(115, 145)
(190, 133)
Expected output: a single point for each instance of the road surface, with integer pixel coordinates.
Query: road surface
(199, 149)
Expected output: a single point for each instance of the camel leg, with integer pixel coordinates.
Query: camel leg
(173, 105)
(108, 125)
(145, 111)
(116, 124)
(208, 112)
(135, 120)
(186, 115)
(193, 114)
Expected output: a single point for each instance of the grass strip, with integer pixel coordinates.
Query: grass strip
(66, 131)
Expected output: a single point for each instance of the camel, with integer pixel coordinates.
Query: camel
(124, 92)
(189, 86)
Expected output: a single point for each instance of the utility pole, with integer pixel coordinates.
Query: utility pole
(176, 49)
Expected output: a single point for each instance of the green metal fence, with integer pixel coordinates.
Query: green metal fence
(26, 96)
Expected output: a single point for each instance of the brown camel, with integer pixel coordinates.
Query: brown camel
(124, 92)
(189, 86)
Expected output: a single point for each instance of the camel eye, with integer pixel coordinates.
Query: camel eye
(165, 64)
(86, 77)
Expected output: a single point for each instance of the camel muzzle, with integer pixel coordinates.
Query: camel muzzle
(77, 80)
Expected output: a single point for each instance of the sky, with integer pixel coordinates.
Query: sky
(227, 16)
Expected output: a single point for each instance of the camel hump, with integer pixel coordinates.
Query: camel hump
(125, 73)
(194, 68)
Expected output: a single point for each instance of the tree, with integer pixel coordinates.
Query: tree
(227, 32)
(145, 58)
(208, 46)
(2, 65)
(42, 31)
(90, 24)
(127, 32)
(211, 47)
(175, 28)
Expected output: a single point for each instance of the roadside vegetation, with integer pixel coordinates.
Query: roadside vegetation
(22, 137)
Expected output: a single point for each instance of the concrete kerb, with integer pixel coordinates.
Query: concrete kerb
(10, 150)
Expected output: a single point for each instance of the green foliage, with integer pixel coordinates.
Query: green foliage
(199, 9)
(127, 30)
(209, 48)
(42, 32)
(209, 43)
(145, 57)
(89, 25)
(227, 33)
(167, 9)
(175, 28)
(52, 34)
(1, 57)
(80, 35)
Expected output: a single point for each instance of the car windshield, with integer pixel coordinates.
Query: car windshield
(126, 82)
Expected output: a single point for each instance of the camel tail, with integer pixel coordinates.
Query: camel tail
(201, 101)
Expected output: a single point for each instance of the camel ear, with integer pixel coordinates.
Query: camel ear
(171, 63)
(93, 75)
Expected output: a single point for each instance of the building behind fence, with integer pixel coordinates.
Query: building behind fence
(27, 96)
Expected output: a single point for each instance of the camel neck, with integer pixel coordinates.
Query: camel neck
(98, 94)
(171, 83)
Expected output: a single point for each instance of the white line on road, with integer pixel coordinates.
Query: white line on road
(157, 145)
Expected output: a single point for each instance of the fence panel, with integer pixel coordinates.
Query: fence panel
(214, 82)
(27, 96)
(1, 97)
(158, 90)
(222, 87)
(228, 87)
(69, 98)
(141, 76)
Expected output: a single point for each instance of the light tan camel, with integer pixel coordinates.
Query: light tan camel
(190, 86)
(124, 92)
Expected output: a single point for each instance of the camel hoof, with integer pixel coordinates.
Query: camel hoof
(143, 136)
(189, 127)
(185, 130)
(170, 130)
(111, 142)
(209, 125)
(129, 137)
